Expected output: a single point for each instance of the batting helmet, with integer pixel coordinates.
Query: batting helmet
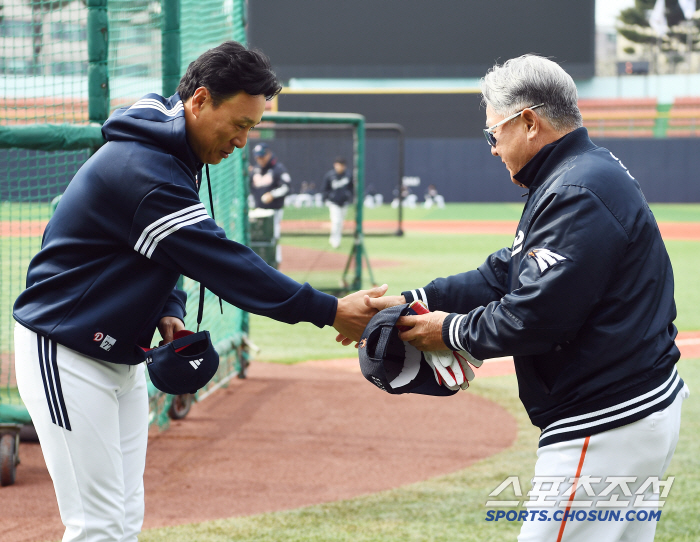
(391, 364)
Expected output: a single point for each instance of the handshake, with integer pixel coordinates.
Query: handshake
(417, 329)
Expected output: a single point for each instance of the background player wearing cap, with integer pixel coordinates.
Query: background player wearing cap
(337, 193)
(269, 184)
(583, 300)
(128, 225)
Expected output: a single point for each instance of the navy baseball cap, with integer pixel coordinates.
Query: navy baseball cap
(261, 149)
(391, 364)
(184, 365)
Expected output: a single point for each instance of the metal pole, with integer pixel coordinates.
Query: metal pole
(170, 46)
(360, 176)
(98, 76)
(401, 135)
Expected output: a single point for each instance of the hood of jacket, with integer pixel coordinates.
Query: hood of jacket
(154, 121)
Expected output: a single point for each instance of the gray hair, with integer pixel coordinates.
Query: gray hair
(530, 80)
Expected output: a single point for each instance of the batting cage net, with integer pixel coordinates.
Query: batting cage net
(307, 146)
(64, 67)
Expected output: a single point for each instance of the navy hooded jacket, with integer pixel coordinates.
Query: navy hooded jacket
(128, 225)
(583, 300)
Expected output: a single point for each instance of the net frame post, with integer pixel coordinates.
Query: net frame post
(358, 126)
(392, 127)
(170, 46)
(98, 49)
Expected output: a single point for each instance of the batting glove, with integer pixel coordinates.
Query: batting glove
(452, 369)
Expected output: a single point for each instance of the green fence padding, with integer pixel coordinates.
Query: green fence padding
(51, 137)
(14, 414)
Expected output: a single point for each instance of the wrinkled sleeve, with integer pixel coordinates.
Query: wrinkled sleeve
(570, 254)
(466, 291)
(173, 228)
(175, 305)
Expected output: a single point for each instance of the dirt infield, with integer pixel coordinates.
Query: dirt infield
(689, 231)
(23, 228)
(669, 230)
(308, 260)
(289, 436)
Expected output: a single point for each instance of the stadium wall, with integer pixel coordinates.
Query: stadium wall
(444, 146)
(464, 170)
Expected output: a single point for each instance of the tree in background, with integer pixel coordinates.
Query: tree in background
(680, 38)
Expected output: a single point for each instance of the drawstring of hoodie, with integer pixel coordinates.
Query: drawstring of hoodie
(200, 311)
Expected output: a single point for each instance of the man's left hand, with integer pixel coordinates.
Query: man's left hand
(426, 330)
(267, 197)
(168, 326)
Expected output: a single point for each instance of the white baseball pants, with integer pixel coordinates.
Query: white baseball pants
(92, 421)
(337, 219)
(636, 451)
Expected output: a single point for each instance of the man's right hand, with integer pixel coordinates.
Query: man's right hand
(353, 314)
(377, 303)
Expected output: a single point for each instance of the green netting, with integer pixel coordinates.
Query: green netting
(66, 63)
(203, 26)
(43, 62)
(30, 181)
(134, 53)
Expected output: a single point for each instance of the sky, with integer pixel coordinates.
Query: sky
(607, 10)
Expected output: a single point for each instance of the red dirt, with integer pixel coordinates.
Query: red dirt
(669, 230)
(289, 436)
(24, 228)
(308, 259)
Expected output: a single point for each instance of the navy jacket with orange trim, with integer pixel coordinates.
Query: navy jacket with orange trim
(583, 299)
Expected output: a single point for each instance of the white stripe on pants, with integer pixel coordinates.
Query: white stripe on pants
(97, 466)
(639, 450)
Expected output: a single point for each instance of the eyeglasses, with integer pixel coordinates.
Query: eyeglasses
(488, 132)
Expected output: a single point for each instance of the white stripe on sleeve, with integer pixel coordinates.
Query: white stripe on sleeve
(154, 230)
(454, 335)
(173, 228)
(424, 298)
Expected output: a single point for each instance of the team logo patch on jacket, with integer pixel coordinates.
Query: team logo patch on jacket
(545, 258)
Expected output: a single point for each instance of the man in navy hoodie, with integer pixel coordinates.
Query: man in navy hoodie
(128, 225)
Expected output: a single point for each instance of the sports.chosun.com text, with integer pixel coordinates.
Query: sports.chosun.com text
(573, 515)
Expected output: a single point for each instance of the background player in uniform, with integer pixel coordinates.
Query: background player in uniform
(337, 193)
(269, 184)
(583, 301)
(128, 225)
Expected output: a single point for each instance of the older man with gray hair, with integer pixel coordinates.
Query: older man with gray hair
(583, 301)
